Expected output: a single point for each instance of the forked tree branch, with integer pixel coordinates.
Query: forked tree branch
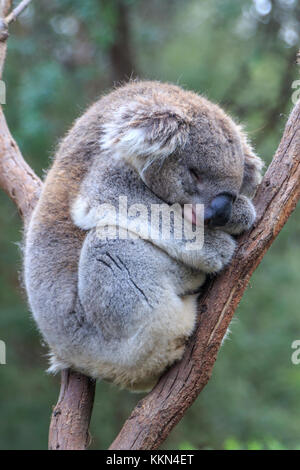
(71, 416)
(156, 415)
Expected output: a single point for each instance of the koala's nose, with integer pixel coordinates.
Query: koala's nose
(219, 211)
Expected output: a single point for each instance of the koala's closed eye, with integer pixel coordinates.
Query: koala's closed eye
(196, 175)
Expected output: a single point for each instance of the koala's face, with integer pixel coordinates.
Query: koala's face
(208, 170)
(185, 149)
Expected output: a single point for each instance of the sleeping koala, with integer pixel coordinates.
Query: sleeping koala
(122, 307)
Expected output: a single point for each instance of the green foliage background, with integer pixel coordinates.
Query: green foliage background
(239, 54)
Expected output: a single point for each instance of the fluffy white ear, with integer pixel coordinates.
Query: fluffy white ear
(144, 128)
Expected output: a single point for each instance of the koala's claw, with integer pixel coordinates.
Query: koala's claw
(242, 217)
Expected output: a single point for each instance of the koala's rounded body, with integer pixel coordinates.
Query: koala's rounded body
(122, 309)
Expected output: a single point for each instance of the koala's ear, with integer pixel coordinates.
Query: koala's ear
(144, 129)
(253, 167)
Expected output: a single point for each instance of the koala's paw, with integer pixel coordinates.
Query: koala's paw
(219, 249)
(242, 217)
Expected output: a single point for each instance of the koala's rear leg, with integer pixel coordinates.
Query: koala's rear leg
(126, 294)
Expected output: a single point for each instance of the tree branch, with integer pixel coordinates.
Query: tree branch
(71, 416)
(69, 428)
(154, 417)
(17, 11)
(5, 6)
(16, 177)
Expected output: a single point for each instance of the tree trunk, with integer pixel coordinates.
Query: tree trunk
(121, 59)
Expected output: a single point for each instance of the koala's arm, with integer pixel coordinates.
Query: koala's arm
(242, 217)
(215, 252)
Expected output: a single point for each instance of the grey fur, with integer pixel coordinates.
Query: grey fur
(119, 309)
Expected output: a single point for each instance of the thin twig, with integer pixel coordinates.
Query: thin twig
(17, 11)
(5, 7)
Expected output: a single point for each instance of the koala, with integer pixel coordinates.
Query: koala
(122, 308)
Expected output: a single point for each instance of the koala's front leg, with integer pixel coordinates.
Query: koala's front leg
(242, 217)
(216, 252)
(219, 245)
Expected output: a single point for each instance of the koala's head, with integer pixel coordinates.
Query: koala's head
(185, 149)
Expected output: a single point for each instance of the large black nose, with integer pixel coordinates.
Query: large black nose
(218, 213)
